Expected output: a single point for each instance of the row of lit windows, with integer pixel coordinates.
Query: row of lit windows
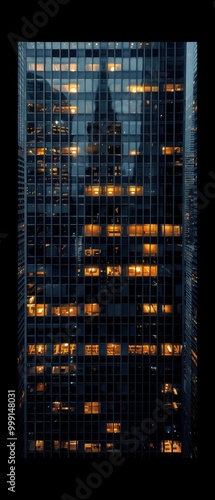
(116, 271)
(94, 148)
(93, 350)
(167, 446)
(134, 230)
(113, 190)
(89, 309)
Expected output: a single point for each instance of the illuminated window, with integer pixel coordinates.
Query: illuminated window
(91, 309)
(114, 67)
(133, 152)
(57, 406)
(92, 67)
(140, 230)
(150, 249)
(92, 230)
(73, 67)
(113, 427)
(37, 309)
(39, 445)
(65, 445)
(91, 350)
(142, 271)
(92, 252)
(64, 108)
(72, 150)
(92, 148)
(41, 387)
(63, 369)
(114, 230)
(142, 88)
(142, 349)
(171, 349)
(113, 349)
(113, 270)
(171, 446)
(67, 310)
(170, 230)
(172, 87)
(93, 190)
(167, 308)
(150, 308)
(92, 271)
(113, 190)
(36, 369)
(41, 151)
(92, 447)
(64, 349)
(135, 190)
(168, 150)
(92, 407)
(38, 349)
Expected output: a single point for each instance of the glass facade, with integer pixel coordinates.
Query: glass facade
(102, 161)
(190, 253)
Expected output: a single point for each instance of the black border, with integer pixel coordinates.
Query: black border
(155, 21)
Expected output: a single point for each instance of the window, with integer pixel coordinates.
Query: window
(114, 67)
(167, 308)
(41, 387)
(168, 150)
(63, 369)
(91, 350)
(135, 190)
(92, 271)
(37, 309)
(172, 87)
(92, 447)
(92, 252)
(93, 190)
(142, 349)
(171, 446)
(113, 427)
(92, 230)
(171, 230)
(113, 190)
(171, 349)
(92, 408)
(68, 445)
(140, 230)
(64, 349)
(72, 150)
(150, 249)
(142, 88)
(113, 270)
(91, 309)
(142, 271)
(39, 445)
(114, 230)
(150, 308)
(57, 406)
(67, 310)
(92, 67)
(38, 349)
(113, 349)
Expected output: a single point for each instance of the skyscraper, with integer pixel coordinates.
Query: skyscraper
(101, 165)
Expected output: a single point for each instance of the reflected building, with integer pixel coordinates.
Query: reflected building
(100, 334)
